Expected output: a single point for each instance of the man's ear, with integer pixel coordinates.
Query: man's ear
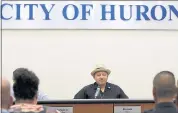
(10, 102)
(175, 95)
(35, 99)
(154, 93)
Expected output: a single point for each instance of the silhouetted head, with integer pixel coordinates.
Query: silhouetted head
(25, 85)
(164, 86)
(6, 99)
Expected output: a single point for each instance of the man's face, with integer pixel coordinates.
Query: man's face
(101, 78)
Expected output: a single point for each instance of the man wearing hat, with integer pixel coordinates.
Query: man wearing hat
(101, 89)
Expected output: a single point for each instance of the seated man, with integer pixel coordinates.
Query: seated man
(101, 89)
(6, 99)
(25, 89)
(164, 93)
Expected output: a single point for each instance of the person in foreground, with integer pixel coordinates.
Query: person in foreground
(6, 99)
(101, 89)
(164, 93)
(25, 89)
(40, 95)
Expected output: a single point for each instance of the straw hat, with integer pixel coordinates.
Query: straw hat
(100, 68)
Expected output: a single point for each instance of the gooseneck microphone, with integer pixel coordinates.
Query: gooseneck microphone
(97, 93)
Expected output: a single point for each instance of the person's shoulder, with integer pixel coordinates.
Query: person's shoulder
(113, 85)
(42, 95)
(4, 111)
(89, 86)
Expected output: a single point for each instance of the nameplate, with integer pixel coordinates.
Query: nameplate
(127, 109)
(60, 109)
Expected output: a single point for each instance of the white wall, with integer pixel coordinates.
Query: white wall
(63, 59)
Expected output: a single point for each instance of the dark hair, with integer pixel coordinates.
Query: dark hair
(164, 82)
(25, 84)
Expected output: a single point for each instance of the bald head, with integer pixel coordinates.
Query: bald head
(6, 99)
(165, 84)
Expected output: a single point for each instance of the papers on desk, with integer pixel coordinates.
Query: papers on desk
(117, 109)
(60, 109)
(127, 109)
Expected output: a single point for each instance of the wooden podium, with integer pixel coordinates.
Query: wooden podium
(97, 105)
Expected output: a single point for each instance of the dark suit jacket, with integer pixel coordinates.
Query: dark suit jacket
(164, 107)
(112, 91)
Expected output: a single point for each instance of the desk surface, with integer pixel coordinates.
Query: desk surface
(95, 101)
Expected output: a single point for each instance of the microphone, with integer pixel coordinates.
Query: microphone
(97, 92)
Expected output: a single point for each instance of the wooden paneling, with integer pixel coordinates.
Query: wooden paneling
(93, 108)
(100, 108)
